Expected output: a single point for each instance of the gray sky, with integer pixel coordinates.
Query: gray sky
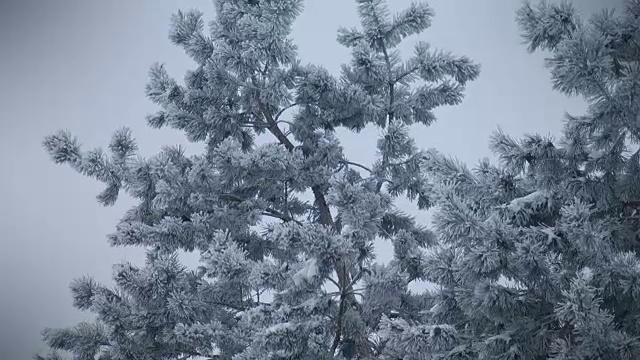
(82, 65)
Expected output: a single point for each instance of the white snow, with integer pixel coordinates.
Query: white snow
(549, 232)
(506, 337)
(308, 272)
(280, 327)
(517, 205)
(309, 304)
(435, 308)
(347, 230)
(586, 273)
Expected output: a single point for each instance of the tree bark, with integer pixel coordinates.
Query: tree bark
(347, 298)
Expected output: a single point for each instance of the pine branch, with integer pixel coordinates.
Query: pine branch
(341, 311)
(277, 215)
(346, 162)
(279, 113)
(390, 113)
(285, 122)
(357, 165)
(356, 278)
(333, 282)
(405, 74)
(267, 212)
(325, 218)
(632, 203)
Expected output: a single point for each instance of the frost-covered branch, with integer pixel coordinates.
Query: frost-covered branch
(259, 291)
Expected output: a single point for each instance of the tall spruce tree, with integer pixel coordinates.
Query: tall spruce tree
(538, 256)
(280, 277)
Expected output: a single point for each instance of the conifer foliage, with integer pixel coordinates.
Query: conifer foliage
(538, 255)
(280, 277)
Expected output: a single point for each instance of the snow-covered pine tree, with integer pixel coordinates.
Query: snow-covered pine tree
(538, 256)
(280, 277)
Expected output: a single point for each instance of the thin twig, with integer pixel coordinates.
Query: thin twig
(334, 282)
(275, 118)
(347, 162)
(276, 214)
(284, 122)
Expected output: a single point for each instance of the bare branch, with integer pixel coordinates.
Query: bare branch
(357, 165)
(405, 74)
(334, 282)
(284, 122)
(356, 278)
(346, 162)
(275, 118)
(276, 214)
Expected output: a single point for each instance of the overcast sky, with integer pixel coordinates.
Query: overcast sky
(82, 65)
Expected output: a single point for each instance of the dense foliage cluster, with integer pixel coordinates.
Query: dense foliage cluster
(280, 277)
(531, 258)
(538, 256)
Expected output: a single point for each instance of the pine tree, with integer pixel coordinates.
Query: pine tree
(538, 255)
(280, 277)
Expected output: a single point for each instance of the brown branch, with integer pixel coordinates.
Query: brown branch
(346, 162)
(405, 74)
(231, 197)
(357, 165)
(278, 215)
(284, 122)
(325, 218)
(231, 306)
(334, 282)
(279, 113)
(275, 130)
(341, 311)
(267, 212)
(356, 278)
(338, 293)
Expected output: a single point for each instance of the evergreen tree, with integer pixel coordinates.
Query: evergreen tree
(538, 256)
(280, 277)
